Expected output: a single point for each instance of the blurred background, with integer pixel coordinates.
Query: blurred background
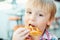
(11, 14)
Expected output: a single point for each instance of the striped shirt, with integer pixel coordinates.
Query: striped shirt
(48, 36)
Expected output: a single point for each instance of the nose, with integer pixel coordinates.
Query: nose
(33, 18)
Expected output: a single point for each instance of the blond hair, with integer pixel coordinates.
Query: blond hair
(48, 4)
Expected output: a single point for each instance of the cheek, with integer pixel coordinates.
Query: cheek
(26, 19)
(42, 24)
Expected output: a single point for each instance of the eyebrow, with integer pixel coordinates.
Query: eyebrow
(28, 9)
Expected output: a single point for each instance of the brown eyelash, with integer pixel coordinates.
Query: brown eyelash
(29, 12)
(40, 15)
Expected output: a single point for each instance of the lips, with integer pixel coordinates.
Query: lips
(32, 25)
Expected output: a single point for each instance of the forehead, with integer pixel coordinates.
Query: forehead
(37, 8)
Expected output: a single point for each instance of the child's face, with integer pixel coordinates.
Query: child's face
(37, 17)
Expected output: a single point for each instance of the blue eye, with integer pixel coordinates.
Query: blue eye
(40, 15)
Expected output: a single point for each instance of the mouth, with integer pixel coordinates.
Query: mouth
(32, 25)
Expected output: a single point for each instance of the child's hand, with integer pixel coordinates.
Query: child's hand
(20, 34)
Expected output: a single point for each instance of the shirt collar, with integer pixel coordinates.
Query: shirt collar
(46, 35)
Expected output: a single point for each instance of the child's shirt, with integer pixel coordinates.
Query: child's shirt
(48, 36)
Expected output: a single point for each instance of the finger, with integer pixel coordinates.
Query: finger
(24, 33)
(18, 31)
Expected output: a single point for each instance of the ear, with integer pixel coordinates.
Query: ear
(50, 21)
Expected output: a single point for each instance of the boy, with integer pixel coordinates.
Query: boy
(38, 13)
